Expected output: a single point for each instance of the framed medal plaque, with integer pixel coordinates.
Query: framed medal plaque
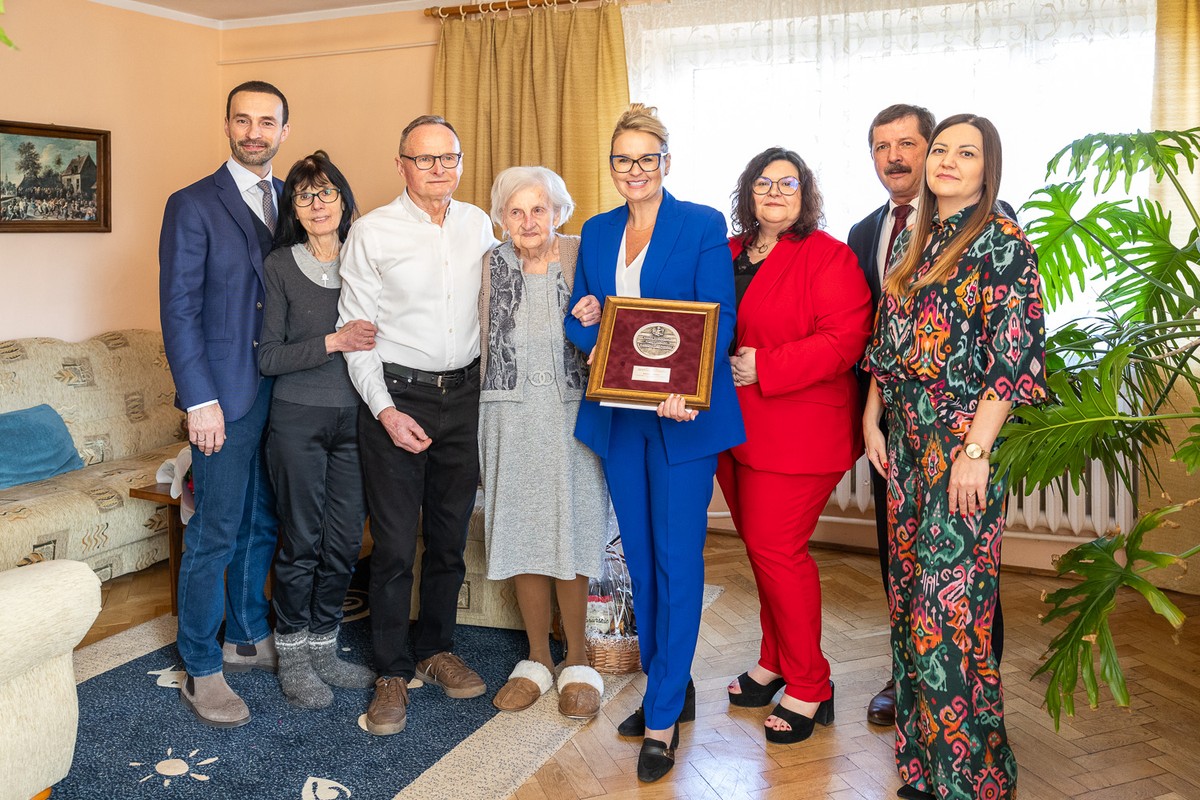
(648, 349)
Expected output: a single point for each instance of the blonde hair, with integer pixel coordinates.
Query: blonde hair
(640, 117)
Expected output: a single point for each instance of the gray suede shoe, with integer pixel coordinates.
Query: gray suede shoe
(213, 702)
(245, 657)
(301, 685)
(323, 651)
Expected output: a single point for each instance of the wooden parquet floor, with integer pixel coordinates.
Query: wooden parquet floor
(1151, 750)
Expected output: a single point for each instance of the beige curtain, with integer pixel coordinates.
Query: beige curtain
(542, 88)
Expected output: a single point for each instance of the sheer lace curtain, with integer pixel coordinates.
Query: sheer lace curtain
(732, 77)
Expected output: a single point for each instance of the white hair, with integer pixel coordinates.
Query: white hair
(514, 179)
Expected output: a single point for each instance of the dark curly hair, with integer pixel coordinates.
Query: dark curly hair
(312, 172)
(745, 222)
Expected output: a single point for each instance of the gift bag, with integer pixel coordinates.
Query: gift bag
(612, 644)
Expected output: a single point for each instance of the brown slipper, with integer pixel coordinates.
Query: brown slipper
(528, 681)
(579, 692)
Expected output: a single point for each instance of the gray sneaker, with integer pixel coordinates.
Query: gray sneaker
(213, 702)
(245, 657)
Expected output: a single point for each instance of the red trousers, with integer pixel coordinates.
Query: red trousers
(775, 514)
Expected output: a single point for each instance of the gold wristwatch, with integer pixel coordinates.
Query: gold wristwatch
(975, 451)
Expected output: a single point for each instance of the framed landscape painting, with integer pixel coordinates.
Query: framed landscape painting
(54, 179)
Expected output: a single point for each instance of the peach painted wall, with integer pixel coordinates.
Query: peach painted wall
(160, 87)
(152, 83)
(352, 105)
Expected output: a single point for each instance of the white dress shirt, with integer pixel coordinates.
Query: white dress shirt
(418, 282)
(247, 183)
(882, 255)
(629, 278)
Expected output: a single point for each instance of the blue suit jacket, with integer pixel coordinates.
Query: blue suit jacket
(687, 259)
(211, 293)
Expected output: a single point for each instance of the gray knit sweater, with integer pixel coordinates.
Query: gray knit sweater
(298, 315)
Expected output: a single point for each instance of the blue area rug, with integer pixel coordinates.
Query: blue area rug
(137, 740)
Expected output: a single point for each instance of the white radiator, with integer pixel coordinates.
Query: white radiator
(1100, 506)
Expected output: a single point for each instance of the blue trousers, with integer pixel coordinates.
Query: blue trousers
(228, 544)
(662, 510)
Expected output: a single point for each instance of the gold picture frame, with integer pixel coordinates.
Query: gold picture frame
(648, 349)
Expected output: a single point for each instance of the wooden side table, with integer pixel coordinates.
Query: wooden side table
(161, 493)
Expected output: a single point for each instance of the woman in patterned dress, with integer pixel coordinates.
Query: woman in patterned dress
(546, 507)
(959, 340)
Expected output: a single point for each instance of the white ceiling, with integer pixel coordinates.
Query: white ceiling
(225, 14)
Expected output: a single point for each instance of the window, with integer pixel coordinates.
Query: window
(729, 82)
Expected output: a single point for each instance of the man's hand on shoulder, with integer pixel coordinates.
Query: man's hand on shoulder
(404, 430)
(206, 428)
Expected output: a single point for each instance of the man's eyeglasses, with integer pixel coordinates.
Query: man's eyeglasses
(787, 186)
(449, 160)
(649, 162)
(327, 194)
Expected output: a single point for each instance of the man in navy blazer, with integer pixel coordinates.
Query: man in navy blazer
(899, 138)
(215, 234)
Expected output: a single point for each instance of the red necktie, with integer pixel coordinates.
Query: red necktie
(901, 213)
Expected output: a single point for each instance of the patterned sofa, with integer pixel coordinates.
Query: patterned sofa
(116, 395)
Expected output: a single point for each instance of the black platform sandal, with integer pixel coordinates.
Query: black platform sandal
(754, 694)
(802, 726)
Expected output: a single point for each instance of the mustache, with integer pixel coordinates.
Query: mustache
(258, 142)
(897, 169)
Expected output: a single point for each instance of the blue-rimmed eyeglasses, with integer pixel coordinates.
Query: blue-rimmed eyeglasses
(327, 194)
(449, 160)
(648, 163)
(787, 186)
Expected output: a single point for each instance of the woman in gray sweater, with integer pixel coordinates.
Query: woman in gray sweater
(312, 441)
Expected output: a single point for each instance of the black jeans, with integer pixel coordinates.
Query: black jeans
(312, 455)
(879, 490)
(435, 487)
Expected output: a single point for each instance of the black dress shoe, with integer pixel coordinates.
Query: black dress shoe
(635, 723)
(754, 694)
(882, 709)
(657, 758)
(913, 793)
(802, 726)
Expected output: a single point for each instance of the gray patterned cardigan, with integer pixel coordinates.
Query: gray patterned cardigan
(500, 296)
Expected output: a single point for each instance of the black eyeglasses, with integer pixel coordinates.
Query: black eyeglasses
(449, 160)
(787, 186)
(327, 194)
(649, 162)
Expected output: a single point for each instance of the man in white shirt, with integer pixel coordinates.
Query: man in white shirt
(413, 268)
(215, 234)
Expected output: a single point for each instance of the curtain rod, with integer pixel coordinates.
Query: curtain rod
(450, 12)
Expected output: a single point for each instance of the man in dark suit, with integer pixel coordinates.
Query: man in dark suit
(215, 234)
(899, 139)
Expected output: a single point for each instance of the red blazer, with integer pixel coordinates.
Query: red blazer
(808, 312)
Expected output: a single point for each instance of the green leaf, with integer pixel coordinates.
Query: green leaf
(1163, 280)
(1188, 452)
(1122, 156)
(1105, 565)
(1069, 247)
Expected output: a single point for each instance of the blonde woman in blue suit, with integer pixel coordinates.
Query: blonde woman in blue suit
(659, 467)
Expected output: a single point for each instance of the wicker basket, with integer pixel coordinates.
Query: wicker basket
(611, 654)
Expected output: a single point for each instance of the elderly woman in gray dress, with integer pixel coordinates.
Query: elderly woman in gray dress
(546, 506)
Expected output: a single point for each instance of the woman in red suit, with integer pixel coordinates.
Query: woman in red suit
(803, 319)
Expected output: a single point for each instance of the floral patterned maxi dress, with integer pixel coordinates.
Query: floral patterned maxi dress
(935, 354)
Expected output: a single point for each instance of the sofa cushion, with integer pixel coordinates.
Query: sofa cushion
(35, 445)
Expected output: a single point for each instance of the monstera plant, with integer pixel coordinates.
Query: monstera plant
(1117, 379)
